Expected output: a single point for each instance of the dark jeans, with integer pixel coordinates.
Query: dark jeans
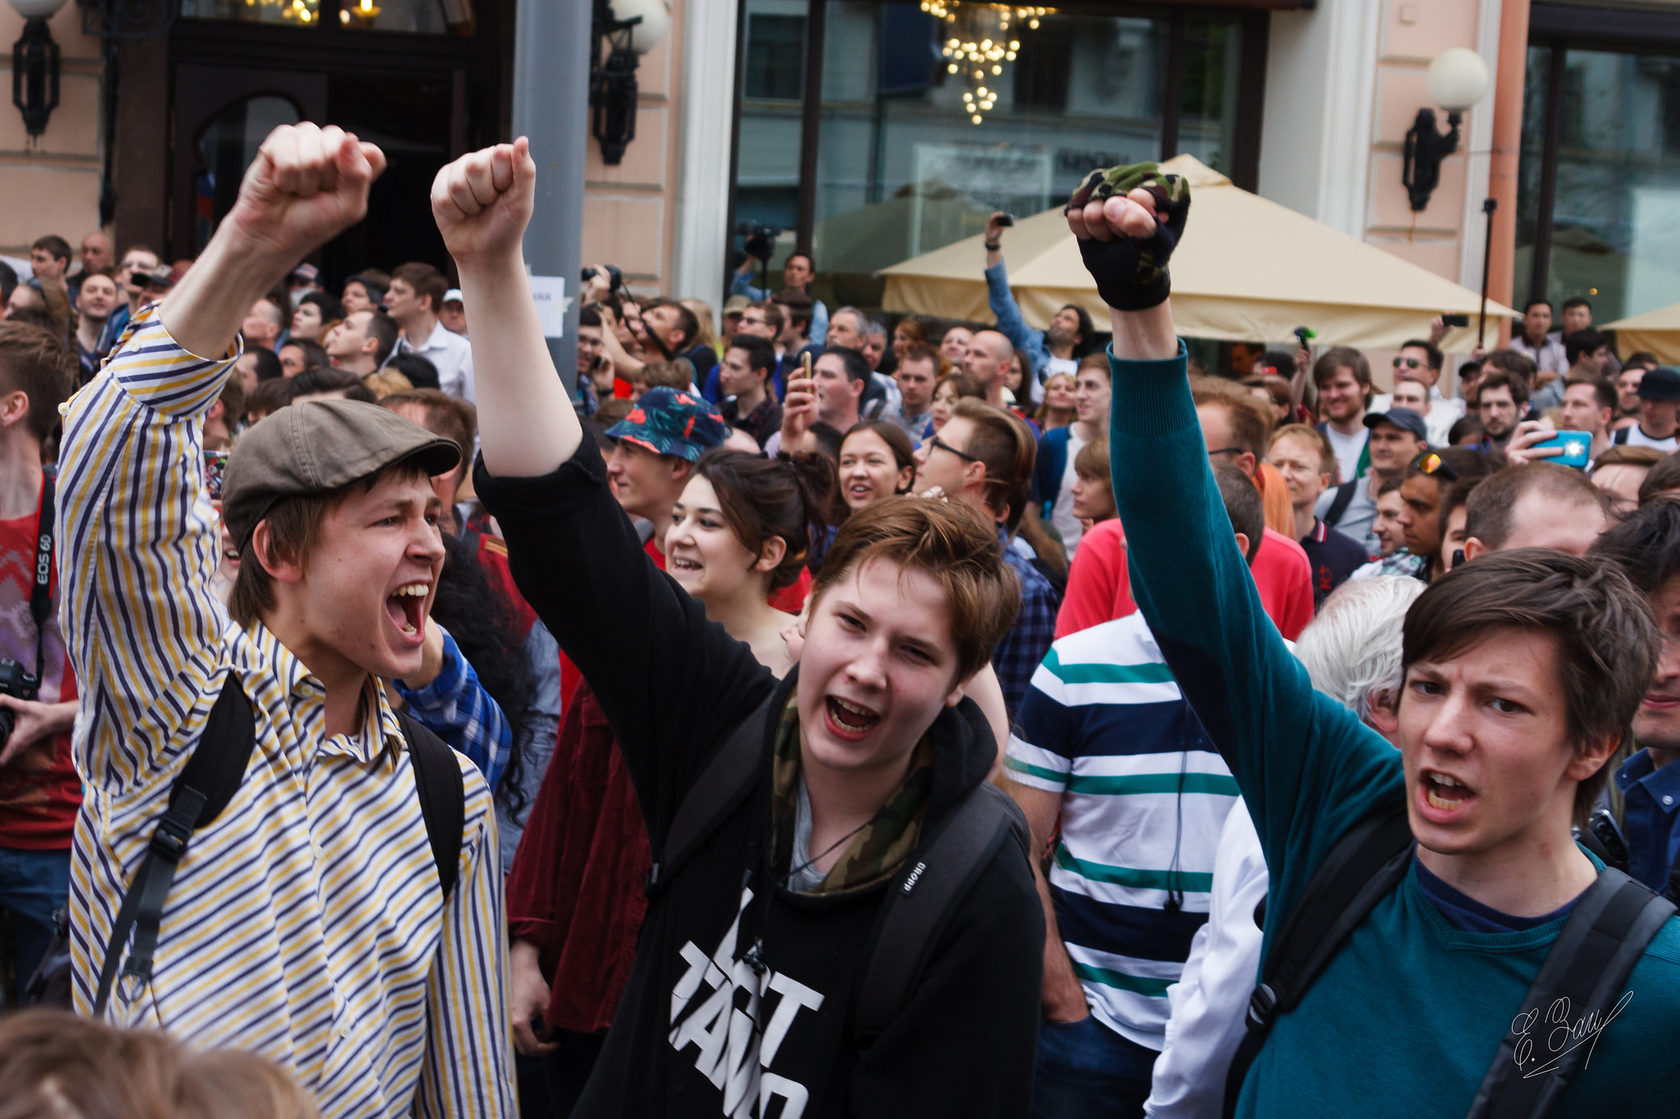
(32, 885)
(1087, 1071)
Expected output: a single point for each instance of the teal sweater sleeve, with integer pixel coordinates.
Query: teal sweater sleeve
(1307, 768)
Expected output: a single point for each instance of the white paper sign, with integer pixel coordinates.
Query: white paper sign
(549, 294)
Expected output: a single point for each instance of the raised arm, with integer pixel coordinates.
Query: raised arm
(1287, 746)
(668, 680)
(482, 203)
(1002, 300)
(139, 540)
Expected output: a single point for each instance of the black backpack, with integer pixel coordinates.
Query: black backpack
(921, 899)
(1592, 957)
(205, 786)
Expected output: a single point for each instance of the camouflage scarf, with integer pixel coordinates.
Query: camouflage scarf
(874, 853)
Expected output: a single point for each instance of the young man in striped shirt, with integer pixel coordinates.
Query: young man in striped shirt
(306, 922)
(1106, 745)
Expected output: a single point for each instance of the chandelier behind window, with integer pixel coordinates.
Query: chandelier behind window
(979, 40)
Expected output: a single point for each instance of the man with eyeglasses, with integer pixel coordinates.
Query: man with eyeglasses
(1420, 361)
(983, 457)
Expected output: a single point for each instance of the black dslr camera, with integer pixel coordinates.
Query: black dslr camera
(15, 681)
(760, 240)
(615, 277)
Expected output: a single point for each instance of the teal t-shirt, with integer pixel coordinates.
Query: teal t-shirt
(1406, 1019)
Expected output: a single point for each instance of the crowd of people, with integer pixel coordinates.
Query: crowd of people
(814, 712)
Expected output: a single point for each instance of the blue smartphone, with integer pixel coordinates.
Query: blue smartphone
(1573, 444)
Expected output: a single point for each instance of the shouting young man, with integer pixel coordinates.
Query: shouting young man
(1510, 707)
(747, 996)
(306, 922)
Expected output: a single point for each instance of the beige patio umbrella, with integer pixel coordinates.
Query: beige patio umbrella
(1247, 270)
(1656, 331)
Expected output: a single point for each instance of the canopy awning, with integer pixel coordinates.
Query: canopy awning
(1655, 331)
(1248, 270)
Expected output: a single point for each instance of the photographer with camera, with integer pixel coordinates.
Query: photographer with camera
(797, 273)
(40, 793)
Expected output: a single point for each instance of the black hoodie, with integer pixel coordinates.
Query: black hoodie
(708, 1027)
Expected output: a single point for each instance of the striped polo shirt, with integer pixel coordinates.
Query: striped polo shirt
(305, 924)
(1144, 796)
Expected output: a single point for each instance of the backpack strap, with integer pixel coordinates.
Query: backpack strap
(923, 897)
(1358, 870)
(205, 786)
(1583, 974)
(723, 783)
(1339, 504)
(437, 777)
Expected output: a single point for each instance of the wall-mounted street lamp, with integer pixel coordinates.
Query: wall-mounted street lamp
(35, 64)
(1457, 79)
(624, 29)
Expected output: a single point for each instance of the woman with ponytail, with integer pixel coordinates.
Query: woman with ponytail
(741, 531)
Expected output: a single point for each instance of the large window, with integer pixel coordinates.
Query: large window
(426, 16)
(1598, 211)
(889, 161)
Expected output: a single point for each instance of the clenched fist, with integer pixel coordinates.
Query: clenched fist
(1128, 221)
(482, 202)
(307, 185)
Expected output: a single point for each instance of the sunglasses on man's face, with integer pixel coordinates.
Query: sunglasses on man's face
(1407, 363)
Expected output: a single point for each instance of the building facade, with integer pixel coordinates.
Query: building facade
(868, 131)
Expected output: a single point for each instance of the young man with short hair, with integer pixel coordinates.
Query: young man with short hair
(1054, 474)
(1420, 360)
(916, 376)
(49, 256)
(1659, 412)
(98, 298)
(746, 984)
(1304, 459)
(1588, 352)
(1343, 379)
(832, 395)
(362, 342)
(413, 301)
(1535, 340)
(1589, 404)
(1398, 435)
(797, 275)
(983, 457)
(1509, 713)
(744, 378)
(1502, 401)
(332, 950)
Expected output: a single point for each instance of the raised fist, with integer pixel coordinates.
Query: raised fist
(1128, 220)
(307, 185)
(482, 202)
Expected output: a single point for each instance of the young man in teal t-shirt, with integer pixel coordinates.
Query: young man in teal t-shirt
(1512, 704)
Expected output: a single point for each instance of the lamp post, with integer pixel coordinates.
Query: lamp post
(1457, 79)
(612, 80)
(35, 64)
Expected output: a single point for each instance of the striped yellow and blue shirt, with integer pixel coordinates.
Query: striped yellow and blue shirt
(306, 923)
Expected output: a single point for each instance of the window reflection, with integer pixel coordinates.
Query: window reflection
(433, 17)
(1615, 221)
(901, 167)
